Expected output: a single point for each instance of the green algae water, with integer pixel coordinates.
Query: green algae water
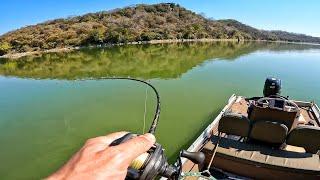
(48, 108)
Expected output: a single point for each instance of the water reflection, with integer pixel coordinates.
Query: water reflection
(43, 122)
(141, 61)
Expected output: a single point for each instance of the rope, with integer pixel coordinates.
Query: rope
(201, 175)
(213, 155)
(196, 174)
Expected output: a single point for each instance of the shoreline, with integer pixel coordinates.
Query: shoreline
(69, 49)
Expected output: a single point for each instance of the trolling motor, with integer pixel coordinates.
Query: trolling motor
(154, 163)
(272, 87)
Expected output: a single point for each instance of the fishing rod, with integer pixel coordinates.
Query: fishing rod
(156, 116)
(153, 163)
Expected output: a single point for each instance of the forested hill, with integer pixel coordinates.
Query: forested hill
(131, 24)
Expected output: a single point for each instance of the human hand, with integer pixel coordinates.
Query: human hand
(97, 160)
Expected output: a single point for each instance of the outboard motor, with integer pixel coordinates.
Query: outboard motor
(272, 87)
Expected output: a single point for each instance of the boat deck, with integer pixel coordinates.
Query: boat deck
(309, 115)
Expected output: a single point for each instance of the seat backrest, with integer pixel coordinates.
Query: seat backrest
(269, 132)
(274, 115)
(234, 124)
(307, 137)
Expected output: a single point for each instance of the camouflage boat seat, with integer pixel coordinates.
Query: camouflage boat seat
(234, 124)
(240, 125)
(282, 116)
(259, 161)
(307, 137)
(272, 133)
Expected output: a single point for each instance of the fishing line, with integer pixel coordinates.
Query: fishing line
(155, 120)
(145, 111)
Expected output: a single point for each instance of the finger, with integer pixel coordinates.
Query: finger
(136, 146)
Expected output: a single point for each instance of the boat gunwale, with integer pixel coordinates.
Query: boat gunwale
(205, 135)
(314, 109)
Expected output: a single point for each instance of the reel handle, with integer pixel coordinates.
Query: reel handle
(195, 157)
(122, 139)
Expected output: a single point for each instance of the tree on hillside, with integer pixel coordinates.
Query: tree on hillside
(4, 48)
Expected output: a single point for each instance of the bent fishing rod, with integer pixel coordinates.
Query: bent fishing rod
(156, 116)
(153, 163)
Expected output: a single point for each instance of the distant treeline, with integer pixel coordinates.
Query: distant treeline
(132, 24)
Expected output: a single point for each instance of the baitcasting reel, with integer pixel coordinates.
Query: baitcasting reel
(154, 163)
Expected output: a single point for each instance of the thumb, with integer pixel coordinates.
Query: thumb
(136, 146)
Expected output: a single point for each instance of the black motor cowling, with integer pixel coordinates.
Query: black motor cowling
(272, 87)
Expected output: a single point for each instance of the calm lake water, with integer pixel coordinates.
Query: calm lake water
(47, 111)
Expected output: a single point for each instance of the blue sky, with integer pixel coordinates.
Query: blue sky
(300, 16)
